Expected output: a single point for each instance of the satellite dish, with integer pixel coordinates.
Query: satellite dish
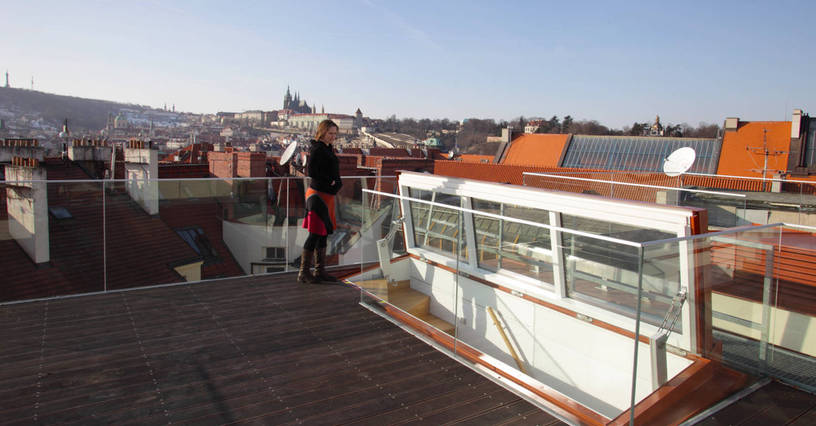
(679, 161)
(288, 153)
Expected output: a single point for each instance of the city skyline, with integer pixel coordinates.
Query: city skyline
(618, 64)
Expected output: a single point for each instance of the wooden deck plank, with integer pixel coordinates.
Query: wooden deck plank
(259, 349)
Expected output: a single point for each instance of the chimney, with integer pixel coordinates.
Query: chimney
(796, 124)
(731, 124)
(506, 139)
(27, 206)
(142, 174)
(91, 155)
(23, 148)
(507, 134)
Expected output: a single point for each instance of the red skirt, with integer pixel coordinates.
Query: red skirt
(320, 218)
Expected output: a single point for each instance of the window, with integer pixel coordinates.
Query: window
(637, 153)
(606, 273)
(195, 238)
(810, 144)
(504, 245)
(59, 212)
(275, 253)
(437, 228)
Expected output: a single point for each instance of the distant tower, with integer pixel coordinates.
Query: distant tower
(287, 99)
(322, 109)
(109, 125)
(657, 128)
(65, 133)
(7, 85)
(174, 107)
(32, 82)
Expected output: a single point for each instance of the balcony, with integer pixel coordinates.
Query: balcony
(174, 300)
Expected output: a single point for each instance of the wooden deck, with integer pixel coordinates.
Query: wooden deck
(772, 404)
(262, 350)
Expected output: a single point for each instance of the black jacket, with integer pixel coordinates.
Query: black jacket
(324, 168)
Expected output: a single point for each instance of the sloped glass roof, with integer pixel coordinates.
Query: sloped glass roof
(638, 153)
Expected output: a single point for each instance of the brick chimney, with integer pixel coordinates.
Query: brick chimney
(27, 206)
(23, 148)
(142, 174)
(230, 164)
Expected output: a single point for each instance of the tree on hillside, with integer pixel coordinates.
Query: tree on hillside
(554, 125)
(703, 130)
(592, 127)
(566, 123)
(476, 131)
(638, 129)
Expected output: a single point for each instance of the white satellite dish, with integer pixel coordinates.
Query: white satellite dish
(288, 153)
(679, 161)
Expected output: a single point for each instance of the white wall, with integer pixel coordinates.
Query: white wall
(587, 363)
(27, 207)
(247, 243)
(142, 173)
(787, 329)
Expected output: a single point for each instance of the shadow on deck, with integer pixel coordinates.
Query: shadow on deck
(260, 349)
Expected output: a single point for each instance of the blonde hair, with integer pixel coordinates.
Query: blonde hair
(324, 128)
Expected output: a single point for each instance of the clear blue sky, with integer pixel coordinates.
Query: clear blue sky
(616, 62)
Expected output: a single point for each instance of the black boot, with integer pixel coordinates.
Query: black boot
(320, 267)
(305, 274)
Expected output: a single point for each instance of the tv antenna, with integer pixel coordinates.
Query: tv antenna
(765, 153)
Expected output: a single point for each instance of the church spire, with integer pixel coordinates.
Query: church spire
(287, 99)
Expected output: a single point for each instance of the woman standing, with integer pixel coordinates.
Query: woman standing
(324, 171)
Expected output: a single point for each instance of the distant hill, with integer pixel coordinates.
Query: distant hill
(82, 113)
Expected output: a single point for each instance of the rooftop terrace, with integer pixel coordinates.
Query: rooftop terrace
(260, 349)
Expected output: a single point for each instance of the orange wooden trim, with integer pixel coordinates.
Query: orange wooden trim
(356, 271)
(400, 257)
(371, 267)
(669, 394)
(565, 406)
(561, 309)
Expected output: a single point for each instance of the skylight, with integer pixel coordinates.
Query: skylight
(59, 212)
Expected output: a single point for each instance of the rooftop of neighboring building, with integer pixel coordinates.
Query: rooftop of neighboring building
(539, 150)
(743, 150)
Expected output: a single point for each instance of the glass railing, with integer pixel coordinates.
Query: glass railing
(742, 296)
(439, 291)
(68, 237)
(725, 209)
(757, 283)
(730, 200)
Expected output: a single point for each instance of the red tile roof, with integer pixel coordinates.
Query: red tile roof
(476, 158)
(742, 151)
(515, 175)
(540, 150)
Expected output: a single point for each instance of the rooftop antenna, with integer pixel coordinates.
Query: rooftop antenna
(765, 153)
(292, 151)
(679, 161)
